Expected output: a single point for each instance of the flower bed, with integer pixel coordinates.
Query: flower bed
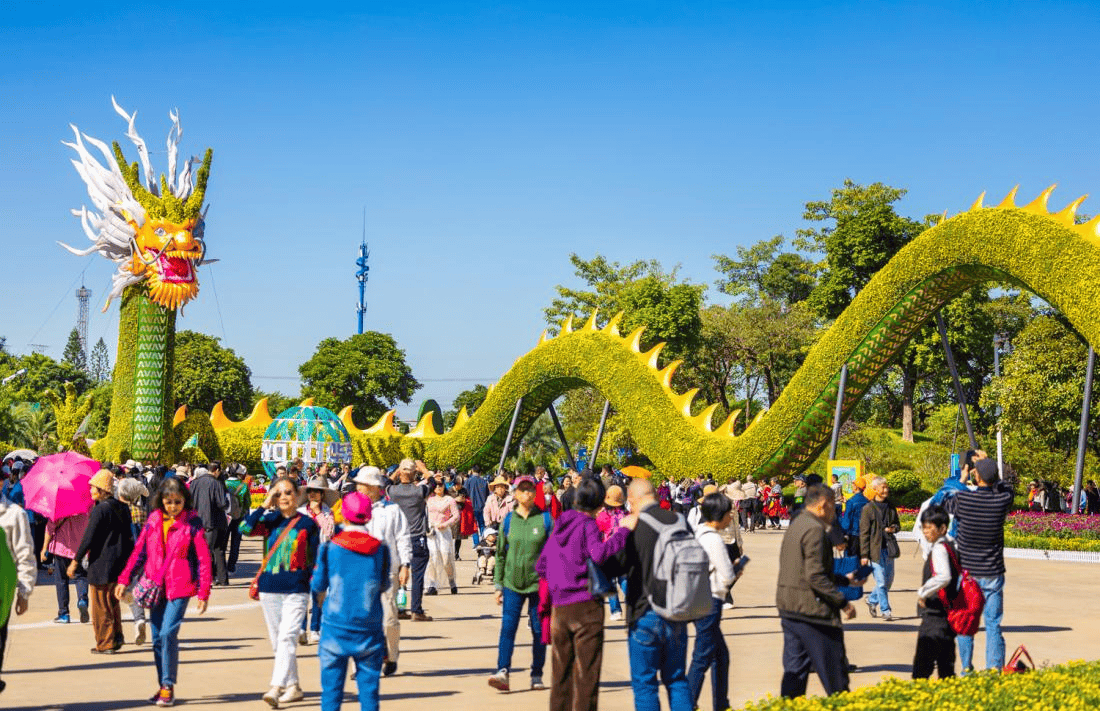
(1054, 525)
(1076, 685)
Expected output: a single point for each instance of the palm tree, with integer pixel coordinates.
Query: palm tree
(34, 426)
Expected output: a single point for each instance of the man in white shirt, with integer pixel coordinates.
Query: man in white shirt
(15, 531)
(389, 525)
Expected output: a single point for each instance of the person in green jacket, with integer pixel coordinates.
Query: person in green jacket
(523, 533)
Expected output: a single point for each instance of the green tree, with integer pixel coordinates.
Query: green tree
(34, 427)
(99, 365)
(100, 415)
(764, 271)
(74, 353)
(45, 373)
(206, 372)
(70, 413)
(367, 371)
(1041, 387)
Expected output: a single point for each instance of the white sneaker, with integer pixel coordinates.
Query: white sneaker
(536, 684)
(727, 605)
(616, 617)
(292, 693)
(499, 681)
(139, 633)
(314, 637)
(272, 697)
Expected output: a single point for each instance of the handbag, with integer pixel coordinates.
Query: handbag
(146, 593)
(893, 550)
(254, 588)
(598, 584)
(1016, 665)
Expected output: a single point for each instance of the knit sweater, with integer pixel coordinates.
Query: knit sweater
(288, 568)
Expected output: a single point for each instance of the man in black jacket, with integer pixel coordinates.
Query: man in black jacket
(108, 542)
(211, 501)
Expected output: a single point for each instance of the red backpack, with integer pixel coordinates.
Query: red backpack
(965, 603)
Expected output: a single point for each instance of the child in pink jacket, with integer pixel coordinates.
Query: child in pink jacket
(171, 552)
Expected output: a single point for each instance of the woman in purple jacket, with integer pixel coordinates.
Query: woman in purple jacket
(576, 623)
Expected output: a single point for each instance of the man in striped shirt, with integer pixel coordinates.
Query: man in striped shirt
(980, 542)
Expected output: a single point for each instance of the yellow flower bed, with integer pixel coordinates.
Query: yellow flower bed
(1075, 685)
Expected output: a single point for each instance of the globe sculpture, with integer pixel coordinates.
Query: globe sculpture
(313, 434)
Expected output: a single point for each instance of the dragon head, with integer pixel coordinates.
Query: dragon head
(153, 232)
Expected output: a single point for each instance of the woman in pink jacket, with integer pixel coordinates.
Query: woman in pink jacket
(173, 552)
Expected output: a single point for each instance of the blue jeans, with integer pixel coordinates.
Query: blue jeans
(366, 649)
(165, 619)
(509, 625)
(613, 601)
(657, 645)
(994, 591)
(710, 653)
(313, 616)
(883, 570)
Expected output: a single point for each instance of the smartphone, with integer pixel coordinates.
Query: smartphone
(862, 572)
(740, 564)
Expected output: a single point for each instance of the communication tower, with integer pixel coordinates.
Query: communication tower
(83, 295)
(362, 274)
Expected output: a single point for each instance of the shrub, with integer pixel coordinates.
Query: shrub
(1076, 685)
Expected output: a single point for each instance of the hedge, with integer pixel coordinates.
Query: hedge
(1026, 246)
(1075, 685)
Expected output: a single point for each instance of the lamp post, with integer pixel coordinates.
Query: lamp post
(1000, 341)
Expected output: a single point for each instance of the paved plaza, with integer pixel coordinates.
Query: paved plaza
(226, 658)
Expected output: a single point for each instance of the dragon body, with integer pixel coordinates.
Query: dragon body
(1044, 252)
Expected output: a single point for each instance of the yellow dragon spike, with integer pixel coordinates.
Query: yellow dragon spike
(665, 374)
(759, 416)
(384, 425)
(567, 324)
(683, 402)
(1090, 230)
(702, 420)
(977, 203)
(308, 402)
(650, 356)
(542, 339)
(590, 324)
(726, 427)
(461, 418)
(424, 428)
(180, 416)
(612, 326)
(634, 340)
(1069, 214)
(260, 416)
(349, 423)
(1010, 199)
(1039, 204)
(218, 420)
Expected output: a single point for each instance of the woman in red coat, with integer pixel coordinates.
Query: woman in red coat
(467, 524)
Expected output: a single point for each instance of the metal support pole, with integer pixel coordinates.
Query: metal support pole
(839, 407)
(998, 341)
(1086, 401)
(511, 431)
(599, 433)
(959, 394)
(561, 435)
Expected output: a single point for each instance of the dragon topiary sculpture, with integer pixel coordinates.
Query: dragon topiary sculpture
(1044, 252)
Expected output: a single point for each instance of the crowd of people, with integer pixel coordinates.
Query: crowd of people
(349, 554)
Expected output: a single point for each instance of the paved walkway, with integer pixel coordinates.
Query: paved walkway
(226, 658)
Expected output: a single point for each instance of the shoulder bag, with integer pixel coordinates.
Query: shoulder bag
(254, 588)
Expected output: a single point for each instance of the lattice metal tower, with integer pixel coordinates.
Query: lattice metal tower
(362, 274)
(83, 295)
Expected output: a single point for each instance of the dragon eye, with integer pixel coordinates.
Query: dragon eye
(159, 232)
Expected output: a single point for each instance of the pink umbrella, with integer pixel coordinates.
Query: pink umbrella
(57, 485)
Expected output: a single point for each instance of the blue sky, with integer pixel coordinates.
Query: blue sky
(488, 141)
